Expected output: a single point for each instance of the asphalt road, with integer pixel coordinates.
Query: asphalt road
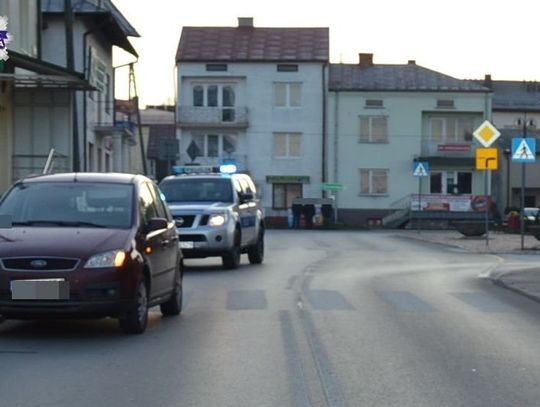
(330, 319)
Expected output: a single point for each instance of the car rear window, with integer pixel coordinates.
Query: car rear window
(100, 204)
(197, 190)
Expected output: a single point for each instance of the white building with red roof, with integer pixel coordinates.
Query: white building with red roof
(256, 95)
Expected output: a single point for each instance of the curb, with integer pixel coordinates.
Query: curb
(498, 282)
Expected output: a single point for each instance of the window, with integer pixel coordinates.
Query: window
(214, 95)
(198, 96)
(284, 194)
(214, 145)
(216, 67)
(373, 182)
(451, 129)
(287, 145)
(287, 94)
(450, 182)
(373, 129)
(287, 68)
(445, 103)
(374, 103)
(148, 208)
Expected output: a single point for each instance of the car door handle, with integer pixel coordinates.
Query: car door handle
(165, 242)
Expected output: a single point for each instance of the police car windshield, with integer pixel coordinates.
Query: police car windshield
(197, 190)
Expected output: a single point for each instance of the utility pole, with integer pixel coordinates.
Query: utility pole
(135, 100)
(70, 64)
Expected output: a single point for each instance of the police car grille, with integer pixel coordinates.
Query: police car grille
(187, 221)
(192, 238)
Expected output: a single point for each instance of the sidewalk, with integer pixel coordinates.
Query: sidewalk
(499, 243)
(524, 281)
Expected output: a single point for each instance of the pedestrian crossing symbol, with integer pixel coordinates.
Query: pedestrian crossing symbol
(421, 169)
(524, 150)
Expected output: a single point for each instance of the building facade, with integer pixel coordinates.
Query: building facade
(384, 118)
(98, 26)
(256, 96)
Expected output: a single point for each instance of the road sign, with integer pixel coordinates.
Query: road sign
(487, 159)
(524, 150)
(486, 134)
(332, 187)
(421, 169)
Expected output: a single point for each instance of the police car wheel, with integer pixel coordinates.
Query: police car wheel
(231, 260)
(256, 252)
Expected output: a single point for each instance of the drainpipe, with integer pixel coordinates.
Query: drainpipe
(324, 136)
(70, 64)
(336, 145)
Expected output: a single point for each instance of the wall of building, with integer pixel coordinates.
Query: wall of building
(99, 103)
(6, 132)
(406, 127)
(256, 92)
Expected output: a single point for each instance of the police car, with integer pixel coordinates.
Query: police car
(217, 213)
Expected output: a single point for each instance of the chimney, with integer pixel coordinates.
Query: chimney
(245, 22)
(411, 62)
(366, 59)
(487, 81)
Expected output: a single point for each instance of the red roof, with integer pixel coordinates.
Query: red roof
(253, 44)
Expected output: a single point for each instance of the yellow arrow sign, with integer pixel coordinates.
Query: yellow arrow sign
(487, 159)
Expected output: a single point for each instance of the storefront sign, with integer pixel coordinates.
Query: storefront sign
(454, 148)
(450, 203)
(287, 179)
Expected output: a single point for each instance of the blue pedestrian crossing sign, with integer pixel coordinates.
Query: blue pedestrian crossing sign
(421, 169)
(524, 150)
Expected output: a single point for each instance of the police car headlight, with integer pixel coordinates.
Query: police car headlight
(217, 219)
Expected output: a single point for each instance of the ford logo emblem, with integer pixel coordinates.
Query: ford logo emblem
(179, 221)
(38, 264)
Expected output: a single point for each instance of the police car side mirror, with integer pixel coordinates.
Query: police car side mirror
(246, 197)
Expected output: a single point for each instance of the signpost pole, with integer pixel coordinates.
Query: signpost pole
(522, 218)
(419, 201)
(488, 201)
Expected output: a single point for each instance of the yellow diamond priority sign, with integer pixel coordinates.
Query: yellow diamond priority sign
(486, 134)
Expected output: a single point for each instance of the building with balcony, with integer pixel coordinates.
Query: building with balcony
(382, 118)
(255, 95)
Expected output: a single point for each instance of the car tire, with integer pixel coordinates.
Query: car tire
(231, 260)
(256, 252)
(136, 319)
(174, 305)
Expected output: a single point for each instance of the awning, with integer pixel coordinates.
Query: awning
(468, 162)
(38, 73)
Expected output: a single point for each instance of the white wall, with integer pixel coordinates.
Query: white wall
(405, 111)
(265, 119)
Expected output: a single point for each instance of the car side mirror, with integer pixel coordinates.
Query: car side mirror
(246, 197)
(156, 224)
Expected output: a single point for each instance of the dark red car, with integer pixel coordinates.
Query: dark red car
(92, 245)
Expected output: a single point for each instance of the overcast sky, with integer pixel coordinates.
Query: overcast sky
(462, 38)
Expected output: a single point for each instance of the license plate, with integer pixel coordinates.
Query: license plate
(45, 289)
(186, 245)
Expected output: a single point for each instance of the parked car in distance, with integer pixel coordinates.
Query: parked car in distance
(89, 245)
(217, 213)
(530, 214)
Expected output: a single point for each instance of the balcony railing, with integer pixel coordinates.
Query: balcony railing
(195, 116)
(447, 148)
